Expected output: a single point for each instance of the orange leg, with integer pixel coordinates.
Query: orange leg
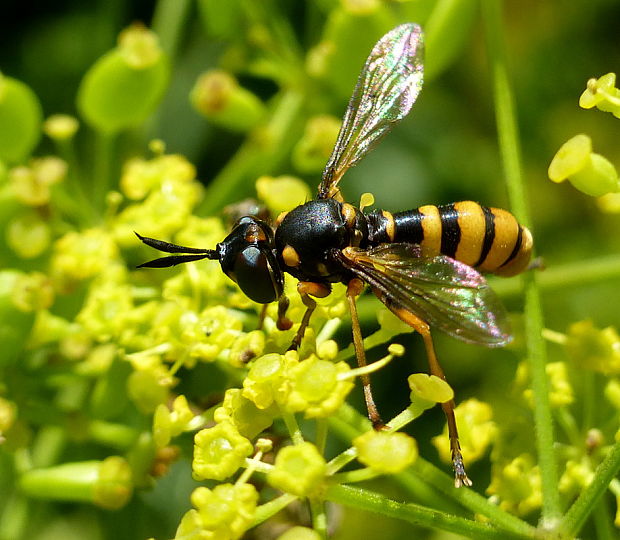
(460, 476)
(305, 290)
(261, 317)
(283, 322)
(354, 289)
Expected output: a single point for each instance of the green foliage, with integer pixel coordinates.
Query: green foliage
(159, 394)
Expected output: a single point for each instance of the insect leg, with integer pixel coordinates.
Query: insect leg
(261, 317)
(283, 322)
(460, 476)
(307, 289)
(354, 289)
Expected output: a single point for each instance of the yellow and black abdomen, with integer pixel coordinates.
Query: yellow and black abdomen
(488, 239)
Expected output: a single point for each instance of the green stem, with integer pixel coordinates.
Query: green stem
(319, 517)
(369, 501)
(259, 154)
(271, 508)
(567, 422)
(293, 427)
(536, 352)
(602, 523)
(103, 158)
(169, 23)
(322, 427)
(588, 499)
(349, 424)
(74, 187)
(358, 475)
(15, 516)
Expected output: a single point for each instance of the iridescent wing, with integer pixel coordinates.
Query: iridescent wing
(444, 293)
(388, 85)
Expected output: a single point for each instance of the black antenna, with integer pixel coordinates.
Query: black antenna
(167, 247)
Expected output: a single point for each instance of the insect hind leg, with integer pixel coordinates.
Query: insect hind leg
(460, 475)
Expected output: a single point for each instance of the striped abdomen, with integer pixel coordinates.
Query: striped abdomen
(489, 239)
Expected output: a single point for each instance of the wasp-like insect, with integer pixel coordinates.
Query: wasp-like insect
(423, 264)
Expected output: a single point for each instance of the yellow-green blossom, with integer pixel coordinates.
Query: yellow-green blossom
(602, 94)
(316, 387)
(282, 193)
(149, 388)
(142, 176)
(60, 127)
(560, 391)
(106, 309)
(222, 513)
(590, 173)
(170, 423)
(219, 451)
(593, 348)
(429, 388)
(476, 431)
(612, 392)
(32, 185)
(517, 485)
(266, 381)
(246, 347)
(28, 234)
(33, 292)
(577, 475)
(244, 414)
(8, 414)
(386, 452)
(207, 334)
(315, 146)
(299, 469)
(220, 98)
(81, 255)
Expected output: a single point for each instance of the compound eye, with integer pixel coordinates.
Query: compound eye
(257, 274)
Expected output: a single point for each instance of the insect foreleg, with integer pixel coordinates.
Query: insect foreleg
(306, 289)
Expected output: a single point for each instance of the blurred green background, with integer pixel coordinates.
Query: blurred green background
(445, 151)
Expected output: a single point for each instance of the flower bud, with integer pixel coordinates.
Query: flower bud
(61, 127)
(602, 94)
(588, 172)
(125, 85)
(314, 148)
(219, 97)
(243, 414)
(385, 451)
(28, 235)
(299, 470)
(593, 348)
(429, 388)
(282, 193)
(20, 120)
(106, 483)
